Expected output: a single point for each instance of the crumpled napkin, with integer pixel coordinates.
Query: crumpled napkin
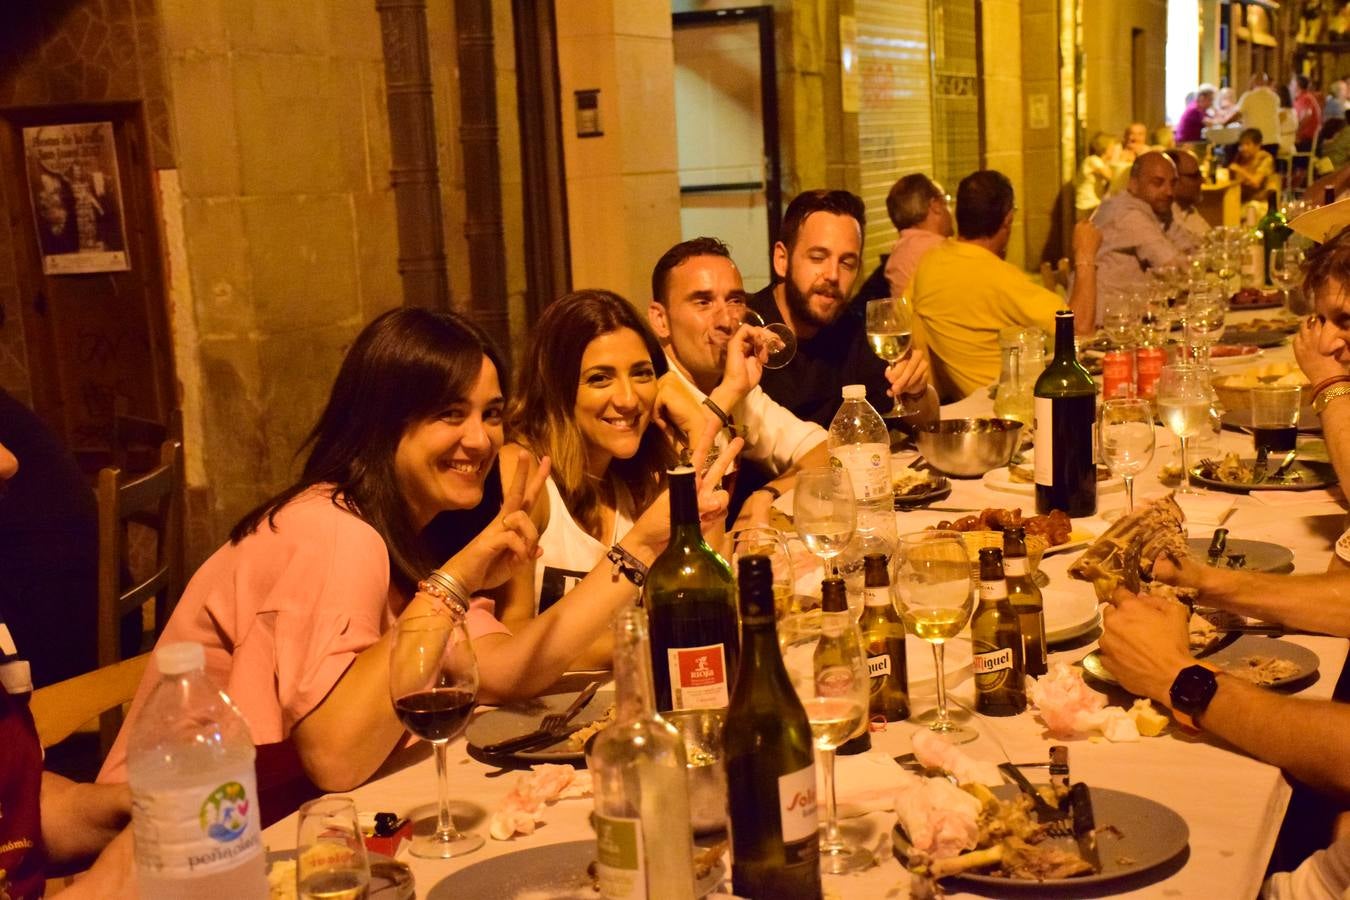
(523, 809)
(1069, 708)
(863, 783)
(941, 819)
(936, 752)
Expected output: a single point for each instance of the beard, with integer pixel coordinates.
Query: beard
(800, 303)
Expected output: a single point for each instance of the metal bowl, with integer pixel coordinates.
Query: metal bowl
(967, 448)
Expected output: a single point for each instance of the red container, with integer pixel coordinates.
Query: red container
(1117, 374)
(1148, 366)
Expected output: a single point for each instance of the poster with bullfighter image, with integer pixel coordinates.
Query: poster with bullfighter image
(77, 199)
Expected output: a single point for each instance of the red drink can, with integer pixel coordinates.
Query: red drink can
(1148, 367)
(1117, 374)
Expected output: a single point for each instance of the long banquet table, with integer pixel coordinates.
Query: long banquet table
(1232, 804)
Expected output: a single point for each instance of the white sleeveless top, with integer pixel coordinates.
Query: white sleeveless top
(569, 552)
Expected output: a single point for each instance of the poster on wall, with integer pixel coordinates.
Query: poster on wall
(76, 196)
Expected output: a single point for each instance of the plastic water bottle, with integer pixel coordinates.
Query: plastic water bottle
(861, 444)
(194, 795)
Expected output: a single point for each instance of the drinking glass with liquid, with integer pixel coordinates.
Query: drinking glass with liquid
(331, 860)
(1275, 410)
(890, 326)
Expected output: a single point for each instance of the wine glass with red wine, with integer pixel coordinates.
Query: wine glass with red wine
(433, 680)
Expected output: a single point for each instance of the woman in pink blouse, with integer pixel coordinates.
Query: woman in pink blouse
(294, 610)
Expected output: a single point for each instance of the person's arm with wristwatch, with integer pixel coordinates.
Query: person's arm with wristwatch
(1145, 645)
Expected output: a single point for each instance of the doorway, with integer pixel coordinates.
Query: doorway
(726, 119)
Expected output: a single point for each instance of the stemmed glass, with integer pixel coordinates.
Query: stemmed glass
(1286, 264)
(933, 581)
(1126, 435)
(824, 511)
(780, 344)
(1204, 322)
(761, 540)
(330, 851)
(890, 325)
(433, 680)
(823, 655)
(1184, 398)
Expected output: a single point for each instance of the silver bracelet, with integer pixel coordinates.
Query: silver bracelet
(456, 594)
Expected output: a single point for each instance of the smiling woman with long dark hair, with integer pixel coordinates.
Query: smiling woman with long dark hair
(295, 609)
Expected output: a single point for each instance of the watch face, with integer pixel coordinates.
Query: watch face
(1193, 688)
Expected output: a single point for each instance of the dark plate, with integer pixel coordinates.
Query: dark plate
(1262, 556)
(1150, 835)
(1241, 420)
(1230, 657)
(389, 879)
(1316, 475)
(1265, 304)
(940, 489)
(1263, 338)
(506, 722)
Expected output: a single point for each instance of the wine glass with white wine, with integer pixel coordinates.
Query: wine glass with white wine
(890, 326)
(933, 582)
(1125, 431)
(1184, 397)
(824, 512)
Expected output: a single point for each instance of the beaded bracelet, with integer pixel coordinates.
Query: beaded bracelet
(446, 588)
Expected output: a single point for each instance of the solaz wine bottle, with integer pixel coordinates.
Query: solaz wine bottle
(770, 760)
(690, 600)
(1066, 412)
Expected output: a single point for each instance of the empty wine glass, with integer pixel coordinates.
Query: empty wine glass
(823, 655)
(1125, 431)
(890, 325)
(1184, 398)
(331, 856)
(933, 583)
(761, 540)
(433, 681)
(1286, 266)
(1204, 321)
(824, 511)
(779, 343)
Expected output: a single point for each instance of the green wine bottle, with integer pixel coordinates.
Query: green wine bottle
(689, 598)
(1274, 231)
(771, 773)
(1025, 598)
(1066, 411)
(884, 641)
(1000, 673)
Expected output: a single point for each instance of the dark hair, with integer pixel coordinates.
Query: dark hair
(1301, 81)
(983, 201)
(684, 250)
(404, 367)
(840, 203)
(1250, 134)
(909, 198)
(1328, 261)
(1175, 154)
(1286, 98)
(542, 415)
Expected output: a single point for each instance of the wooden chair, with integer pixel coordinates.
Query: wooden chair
(60, 709)
(154, 500)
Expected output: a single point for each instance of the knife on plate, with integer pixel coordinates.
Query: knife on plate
(1217, 545)
(1084, 825)
(549, 735)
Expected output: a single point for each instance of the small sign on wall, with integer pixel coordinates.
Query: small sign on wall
(76, 197)
(588, 113)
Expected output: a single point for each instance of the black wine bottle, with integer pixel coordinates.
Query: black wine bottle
(691, 604)
(996, 639)
(1066, 412)
(1025, 598)
(884, 641)
(770, 759)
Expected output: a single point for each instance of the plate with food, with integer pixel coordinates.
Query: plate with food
(1255, 298)
(1233, 354)
(1266, 661)
(564, 871)
(913, 488)
(1069, 614)
(1238, 476)
(1241, 420)
(1135, 835)
(1021, 479)
(1257, 556)
(517, 719)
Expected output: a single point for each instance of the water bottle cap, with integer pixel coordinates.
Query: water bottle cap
(16, 677)
(855, 392)
(177, 658)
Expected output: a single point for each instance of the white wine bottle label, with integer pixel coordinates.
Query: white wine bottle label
(877, 596)
(191, 832)
(1045, 453)
(878, 666)
(989, 663)
(797, 805)
(618, 857)
(698, 677)
(993, 590)
(1015, 565)
(868, 468)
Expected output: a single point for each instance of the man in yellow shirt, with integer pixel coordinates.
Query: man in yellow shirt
(964, 292)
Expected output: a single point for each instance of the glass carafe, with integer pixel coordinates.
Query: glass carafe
(1023, 358)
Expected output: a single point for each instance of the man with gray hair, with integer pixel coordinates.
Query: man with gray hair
(922, 215)
(1134, 226)
(1191, 125)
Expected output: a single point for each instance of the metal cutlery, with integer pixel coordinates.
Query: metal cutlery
(1259, 470)
(1055, 819)
(1217, 545)
(552, 728)
(1285, 465)
(1084, 825)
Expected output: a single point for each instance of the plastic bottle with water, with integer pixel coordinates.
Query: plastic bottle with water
(194, 795)
(861, 444)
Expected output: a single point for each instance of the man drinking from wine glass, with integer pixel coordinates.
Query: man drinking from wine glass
(965, 292)
(816, 261)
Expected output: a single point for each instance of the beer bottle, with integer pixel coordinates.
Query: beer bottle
(1025, 598)
(884, 642)
(1000, 671)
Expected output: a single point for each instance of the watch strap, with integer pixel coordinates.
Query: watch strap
(1187, 710)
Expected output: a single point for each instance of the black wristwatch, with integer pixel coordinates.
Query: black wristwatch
(1191, 692)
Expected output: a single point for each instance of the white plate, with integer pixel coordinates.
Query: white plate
(999, 480)
(1069, 613)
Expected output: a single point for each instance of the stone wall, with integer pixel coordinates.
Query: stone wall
(1108, 76)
